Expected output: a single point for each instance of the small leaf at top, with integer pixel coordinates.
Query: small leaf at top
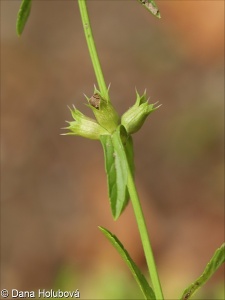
(151, 6)
(23, 15)
(216, 261)
(139, 277)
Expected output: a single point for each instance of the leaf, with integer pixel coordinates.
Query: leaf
(118, 149)
(139, 277)
(151, 6)
(217, 260)
(116, 188)
(23, 15)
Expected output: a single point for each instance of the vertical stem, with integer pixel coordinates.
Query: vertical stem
(144, 237)
(131, 185)
(92, 49)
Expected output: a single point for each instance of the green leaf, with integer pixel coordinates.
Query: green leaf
(139, 277)
(118, 150)
(116, 172)
(217, 260)
(151, 6)
(23, 15)
(114, 190)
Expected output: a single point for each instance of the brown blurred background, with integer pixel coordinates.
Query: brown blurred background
(54, 192)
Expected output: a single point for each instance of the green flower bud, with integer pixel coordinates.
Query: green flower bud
(84, 126)
(104, 112)
(134, 118)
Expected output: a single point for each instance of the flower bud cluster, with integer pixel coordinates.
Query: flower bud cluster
(107, 118)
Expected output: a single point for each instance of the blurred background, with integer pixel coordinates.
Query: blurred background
(54, 192)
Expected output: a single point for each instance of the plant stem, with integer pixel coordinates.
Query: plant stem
(92, 49)
(144, 236)
(131, 185)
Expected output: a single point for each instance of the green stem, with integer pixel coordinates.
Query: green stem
(131, 185)
(144, 236)
(92, 49)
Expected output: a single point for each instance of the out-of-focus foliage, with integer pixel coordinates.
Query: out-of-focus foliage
(23, 15)
(216, 261)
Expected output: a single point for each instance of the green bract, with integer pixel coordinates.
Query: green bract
(104, 112)
(107, 119)
(84, 126)
(134, 118)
